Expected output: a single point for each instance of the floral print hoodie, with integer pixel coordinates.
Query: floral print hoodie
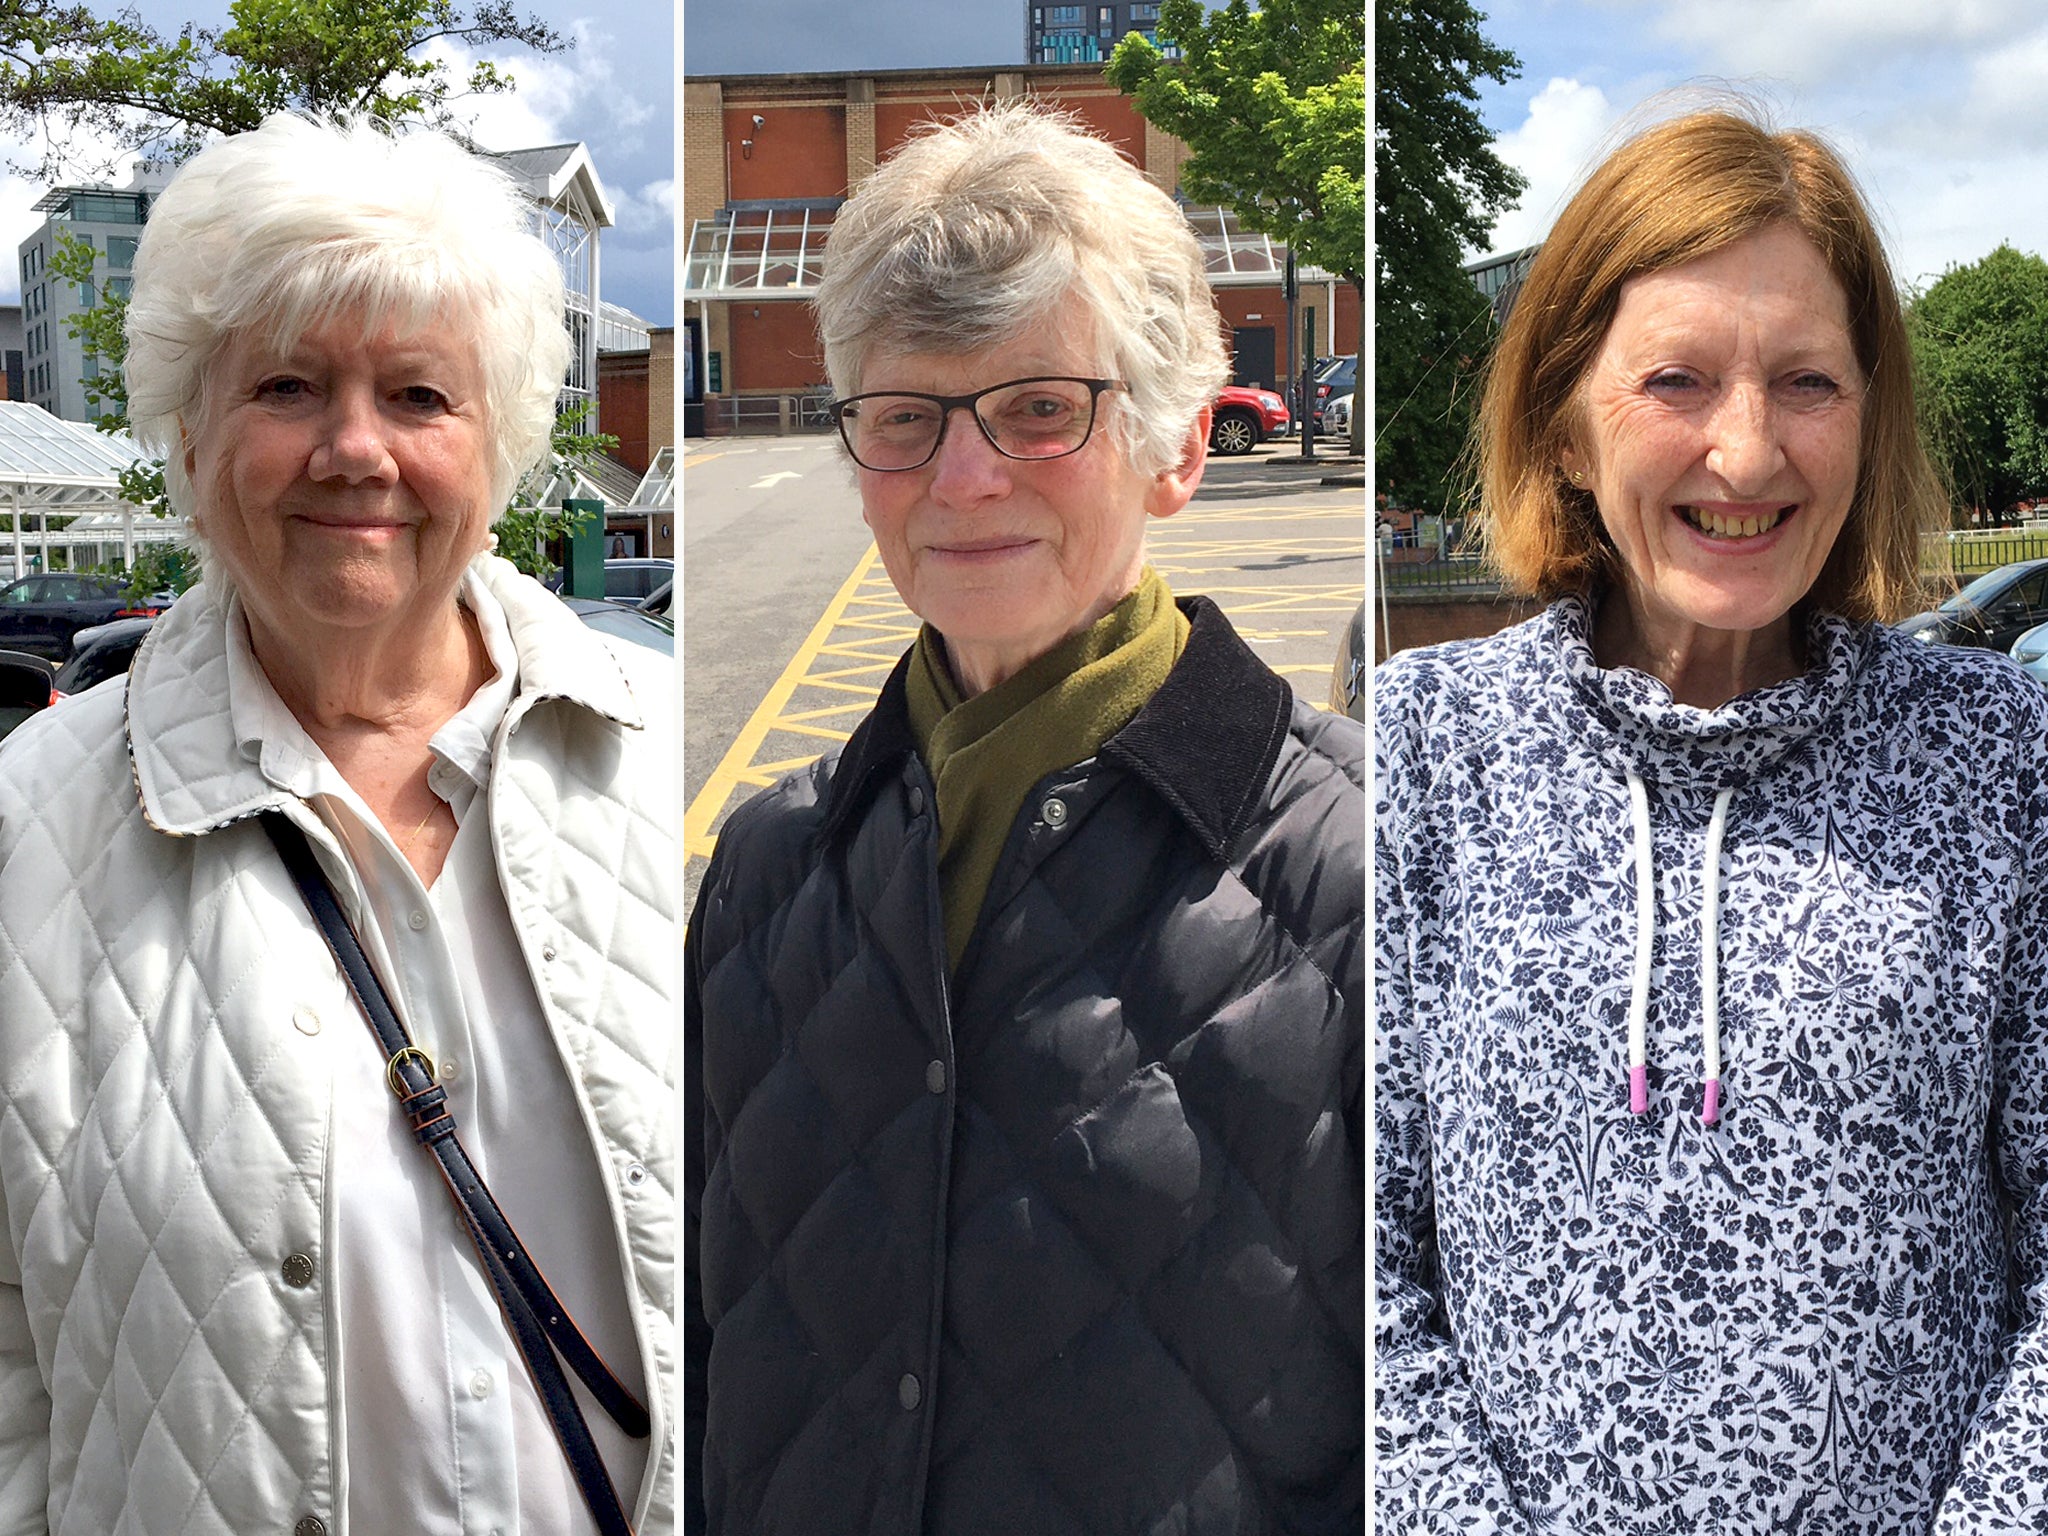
(1818, 1306)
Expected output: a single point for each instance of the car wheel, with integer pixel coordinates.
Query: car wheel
(1233, 434)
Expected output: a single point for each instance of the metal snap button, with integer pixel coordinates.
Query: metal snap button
(1054, 811)
(297, 1271)
(636, 1175)
(548, 952)
(935, 1077)
(312, 1525)
(909, 1393)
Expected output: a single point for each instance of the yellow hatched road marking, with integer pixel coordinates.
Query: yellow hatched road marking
(738, 767)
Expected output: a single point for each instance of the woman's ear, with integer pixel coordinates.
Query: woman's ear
(1172, 489)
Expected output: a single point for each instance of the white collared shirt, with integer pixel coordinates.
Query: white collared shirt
(442, 1429)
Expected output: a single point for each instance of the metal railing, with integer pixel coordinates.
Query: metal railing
(768, 415)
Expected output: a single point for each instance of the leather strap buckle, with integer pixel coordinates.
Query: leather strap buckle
(391, 1077)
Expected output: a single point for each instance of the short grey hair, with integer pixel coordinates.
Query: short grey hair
(980, 230)
(282, 229)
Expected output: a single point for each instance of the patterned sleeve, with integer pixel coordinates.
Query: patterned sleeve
(2001, 1483)
(1434, 1470)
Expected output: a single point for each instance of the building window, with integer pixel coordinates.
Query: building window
(120, 287)
(120, 251)
(1067, 15)
(1144, 13)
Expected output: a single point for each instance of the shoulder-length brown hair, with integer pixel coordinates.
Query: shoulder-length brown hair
(1676, 192)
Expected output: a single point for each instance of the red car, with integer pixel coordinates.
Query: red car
(1244, 418)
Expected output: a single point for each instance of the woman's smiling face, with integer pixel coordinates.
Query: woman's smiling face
(1718, 430)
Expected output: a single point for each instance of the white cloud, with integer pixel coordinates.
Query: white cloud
(1567, 124)
(1817, 41)
(652, 207)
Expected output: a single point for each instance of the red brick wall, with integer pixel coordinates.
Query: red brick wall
(777, 351)
(799, 151)
(622, 404)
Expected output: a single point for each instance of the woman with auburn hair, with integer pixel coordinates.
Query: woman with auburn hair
(1712, 1101)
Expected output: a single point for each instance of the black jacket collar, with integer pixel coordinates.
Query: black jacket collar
(1206, 741)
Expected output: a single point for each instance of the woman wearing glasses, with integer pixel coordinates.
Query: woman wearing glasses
(1023, 1155)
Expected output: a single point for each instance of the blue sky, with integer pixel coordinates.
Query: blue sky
(1939, 106)
(615, 90)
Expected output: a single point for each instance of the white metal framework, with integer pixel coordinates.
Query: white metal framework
(60, 490)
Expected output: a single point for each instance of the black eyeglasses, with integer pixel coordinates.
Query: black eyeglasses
(1040, 418)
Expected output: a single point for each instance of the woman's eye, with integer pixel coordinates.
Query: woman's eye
(1812, 384)
(281, 388)
(423, 396)
(1672, 382)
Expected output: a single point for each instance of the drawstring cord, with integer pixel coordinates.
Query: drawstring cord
(1710, 955)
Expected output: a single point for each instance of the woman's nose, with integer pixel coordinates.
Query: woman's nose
(353, 445)
(1745, 450)
(966, 467)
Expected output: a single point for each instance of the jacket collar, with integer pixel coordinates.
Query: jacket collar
(191, 773)
(1206, 741)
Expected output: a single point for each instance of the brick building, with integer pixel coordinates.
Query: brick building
(768, 159)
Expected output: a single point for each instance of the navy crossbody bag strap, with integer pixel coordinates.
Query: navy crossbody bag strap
(539, 1323)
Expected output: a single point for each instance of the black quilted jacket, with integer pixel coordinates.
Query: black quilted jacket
(1072, 1242)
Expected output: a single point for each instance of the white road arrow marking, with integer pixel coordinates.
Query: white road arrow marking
(766, 481)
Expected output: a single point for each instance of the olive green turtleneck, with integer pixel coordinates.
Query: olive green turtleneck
(985, 753)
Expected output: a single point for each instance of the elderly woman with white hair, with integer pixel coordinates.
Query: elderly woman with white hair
(1022, 1155)
(352, 907)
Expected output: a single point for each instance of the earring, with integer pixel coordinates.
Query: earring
(1578, 478)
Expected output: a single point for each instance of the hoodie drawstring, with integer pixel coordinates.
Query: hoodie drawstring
(1710, 954)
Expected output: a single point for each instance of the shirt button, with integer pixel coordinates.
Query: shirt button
(935, 1077)
(312, 1525)
(480, 1385)
(916, 800)
(297, 1271)
(548, 953)
(417, 921)
(1054, 811)
(306, 1021)
(636, 1175)
(909, 1393)
(450, 1067)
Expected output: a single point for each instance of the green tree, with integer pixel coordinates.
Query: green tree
(1980, 348)
(65, 71)
(68, 75)
(1271, 104)
(1438, 186)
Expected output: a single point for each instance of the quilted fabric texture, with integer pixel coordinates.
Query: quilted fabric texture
(1072, 1244)
(164, 1129)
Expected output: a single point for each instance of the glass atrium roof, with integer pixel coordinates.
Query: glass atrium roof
(751, 254)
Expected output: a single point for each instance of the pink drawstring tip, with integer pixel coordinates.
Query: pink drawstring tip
(1710, 1110)
(1639, 1090)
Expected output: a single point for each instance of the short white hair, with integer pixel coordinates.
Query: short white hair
(983, 229)
(283, 229)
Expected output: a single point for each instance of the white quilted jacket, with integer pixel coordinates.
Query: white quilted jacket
(164, 1127)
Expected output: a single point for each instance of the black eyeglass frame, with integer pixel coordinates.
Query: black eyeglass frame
(948, 404)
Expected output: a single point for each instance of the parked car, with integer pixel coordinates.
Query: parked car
(657, 601)
(1243, 418)
(629, 581)
(1338, 377)
(41, 613)
(105, 651)
(26, 685)
(652, 630)
(1337, 417)
(1992, 611)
